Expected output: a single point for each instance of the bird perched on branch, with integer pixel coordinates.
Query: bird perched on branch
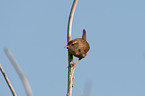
(79, 46)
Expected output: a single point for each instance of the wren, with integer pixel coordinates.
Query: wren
(78, 47)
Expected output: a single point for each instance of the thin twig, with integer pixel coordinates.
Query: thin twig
(8, 82)
(18, 69)
(70, 56)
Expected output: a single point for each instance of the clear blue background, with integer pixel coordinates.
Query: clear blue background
(35, 32)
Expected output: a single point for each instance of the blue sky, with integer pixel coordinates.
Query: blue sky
(35, 32)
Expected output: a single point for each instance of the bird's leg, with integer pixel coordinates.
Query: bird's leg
(76, 62)
(73, 64)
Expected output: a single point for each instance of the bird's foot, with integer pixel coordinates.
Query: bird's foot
(71, 64)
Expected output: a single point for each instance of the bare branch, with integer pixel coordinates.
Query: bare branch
(18, 69)
(70, 20)
(8, 82)
(70, 56)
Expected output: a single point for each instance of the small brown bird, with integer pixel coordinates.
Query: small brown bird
(78, 47)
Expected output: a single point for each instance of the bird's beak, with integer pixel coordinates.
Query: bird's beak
(66, 46)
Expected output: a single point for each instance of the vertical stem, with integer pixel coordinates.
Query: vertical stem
(70, 20)
(70, 56)
(8, 82)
